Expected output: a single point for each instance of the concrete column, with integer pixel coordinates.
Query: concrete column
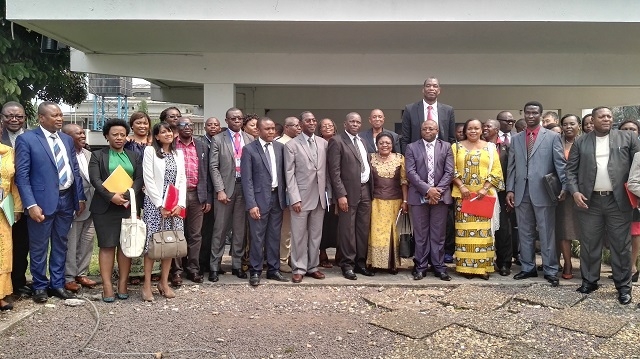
(218, 98)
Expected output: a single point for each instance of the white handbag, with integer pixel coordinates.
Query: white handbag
(133, 231)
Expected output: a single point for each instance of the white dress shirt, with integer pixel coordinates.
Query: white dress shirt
(431, 151)
(272, 159)
(603, 182)
(426, 111)
(364, 176)
(63, 149)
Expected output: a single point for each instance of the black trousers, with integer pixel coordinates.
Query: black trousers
(503, 241)
(20, 252)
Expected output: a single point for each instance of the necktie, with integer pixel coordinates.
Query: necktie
(314, 151)
(429, 112)
(506, 140)
(430, 165)
(266, 153)
(530, 142)
(57, 154)
(358, 154)
(237, 153)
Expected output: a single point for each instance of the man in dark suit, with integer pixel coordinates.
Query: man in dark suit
(533, 154)
(263, 185)
(199, 198)
(429, 164)
(229, 205)
(51, 189)
(603, 204)
(350, 175)
(507, 123)
(428, 109)
(376, 119)
(211, 128)
(13, 118)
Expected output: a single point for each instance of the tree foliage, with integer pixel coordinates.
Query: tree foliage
(26, 73)
(143, 106)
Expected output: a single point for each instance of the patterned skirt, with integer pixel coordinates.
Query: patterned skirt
(474, 243)
(383, 236)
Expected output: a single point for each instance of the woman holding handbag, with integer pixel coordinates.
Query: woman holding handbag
(162, 165)
(478, 171)
(108, 208)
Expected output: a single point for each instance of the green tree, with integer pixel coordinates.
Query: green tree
(143, 107)
(26, 73)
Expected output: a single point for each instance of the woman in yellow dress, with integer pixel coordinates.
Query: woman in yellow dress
(389, 196)
(8, 186)
(477, 170)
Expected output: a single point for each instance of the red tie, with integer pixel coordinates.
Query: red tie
(237, 147)
(430, 112)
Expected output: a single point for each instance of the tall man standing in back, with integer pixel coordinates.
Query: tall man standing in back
(533, 154)
(228, 206)
(428, 109)
(603, 204)
(376, 119)
(50, 186)
(13, 117)
(350, 174)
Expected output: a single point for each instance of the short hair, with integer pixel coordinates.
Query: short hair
(226, 114)
(534, 103)
(430, 78)
(249, 117)
(302, 114)
(501, 113)
(260, 120)
(351, 114)
(569, 115)
(585, 117)
(44, 105)
(138, 115)
(211, 118)
(287, 121)
(553, 114)
(114, 122)
(68, 127)
(279, 129)
(332, 123)
(384, 134)
(552, 125)
(155, 143)
(520, 123)
(630, 120)
(466, 124)
(593, 112)
(496, 123)
(164, 115)
(12, 104)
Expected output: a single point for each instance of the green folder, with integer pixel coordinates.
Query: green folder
(8, 209)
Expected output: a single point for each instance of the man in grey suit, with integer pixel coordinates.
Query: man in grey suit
(228, 205)
(263, 186)
(428, 109)
(533, 154)
(305, 159)
(80, 237)
(603, 204)
(376, 119)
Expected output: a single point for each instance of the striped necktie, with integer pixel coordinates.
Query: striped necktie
(57, 154)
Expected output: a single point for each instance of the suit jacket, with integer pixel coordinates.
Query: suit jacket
(99, 172)
(221, 162)
(547, 156)
(204, 187)
(581, 167)
(306, 181)
(344, 168)
(503, 150)
(88, 189)
(369, 141)
(153, 172)
(256, 176)
(417, 171)
(37, 173)
(413, 117)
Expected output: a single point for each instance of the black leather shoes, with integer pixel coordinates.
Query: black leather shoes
(61, 293)
(364, 271)
(349, 274)
(213, 277)
(524, 275)
(254, 280)
(443, 276)
(624, 298)
(277, 276)
(552, 279)
(504, 271)
(239, 273)
(24, 291)
(40, 296)
(417, 275)
(587, 288)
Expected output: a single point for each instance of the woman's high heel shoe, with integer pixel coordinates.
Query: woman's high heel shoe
(167, 295)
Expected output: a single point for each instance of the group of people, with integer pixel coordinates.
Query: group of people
(281, 195)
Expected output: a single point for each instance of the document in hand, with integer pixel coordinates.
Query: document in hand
(118, 182)
(479, 207)
(170, 200)
(8, 209)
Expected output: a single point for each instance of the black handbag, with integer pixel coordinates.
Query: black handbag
(553, 186)
(407, 245)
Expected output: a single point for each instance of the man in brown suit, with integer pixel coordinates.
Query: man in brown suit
(350, 176)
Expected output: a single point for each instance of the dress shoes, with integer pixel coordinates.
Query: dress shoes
(587, 288)
(176, 280)
(552, 279)
(296, 278)
(195, 277)
(417, 275)
(316, 275)
(448, 258)
(6, 307)
(239, 273)
(213, 277)
(624, 298)
(72, 287)
(84, 281)
(24, 291)
(349, 274)
(61, 293)
(443, 276)
(364, 271)
(524, 275)
(254, 280)
(277, 276)
(504, 271)
(40, 296)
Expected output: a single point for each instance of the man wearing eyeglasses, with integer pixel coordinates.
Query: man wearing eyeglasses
(13, 117)
(199, 198)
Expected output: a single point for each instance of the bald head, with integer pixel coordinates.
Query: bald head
(77, 133)
(291, 126)
(352, 123)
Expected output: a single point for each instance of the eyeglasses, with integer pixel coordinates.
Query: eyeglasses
(296, 125)
(508, 121)
(12, 116)
(184, 124)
